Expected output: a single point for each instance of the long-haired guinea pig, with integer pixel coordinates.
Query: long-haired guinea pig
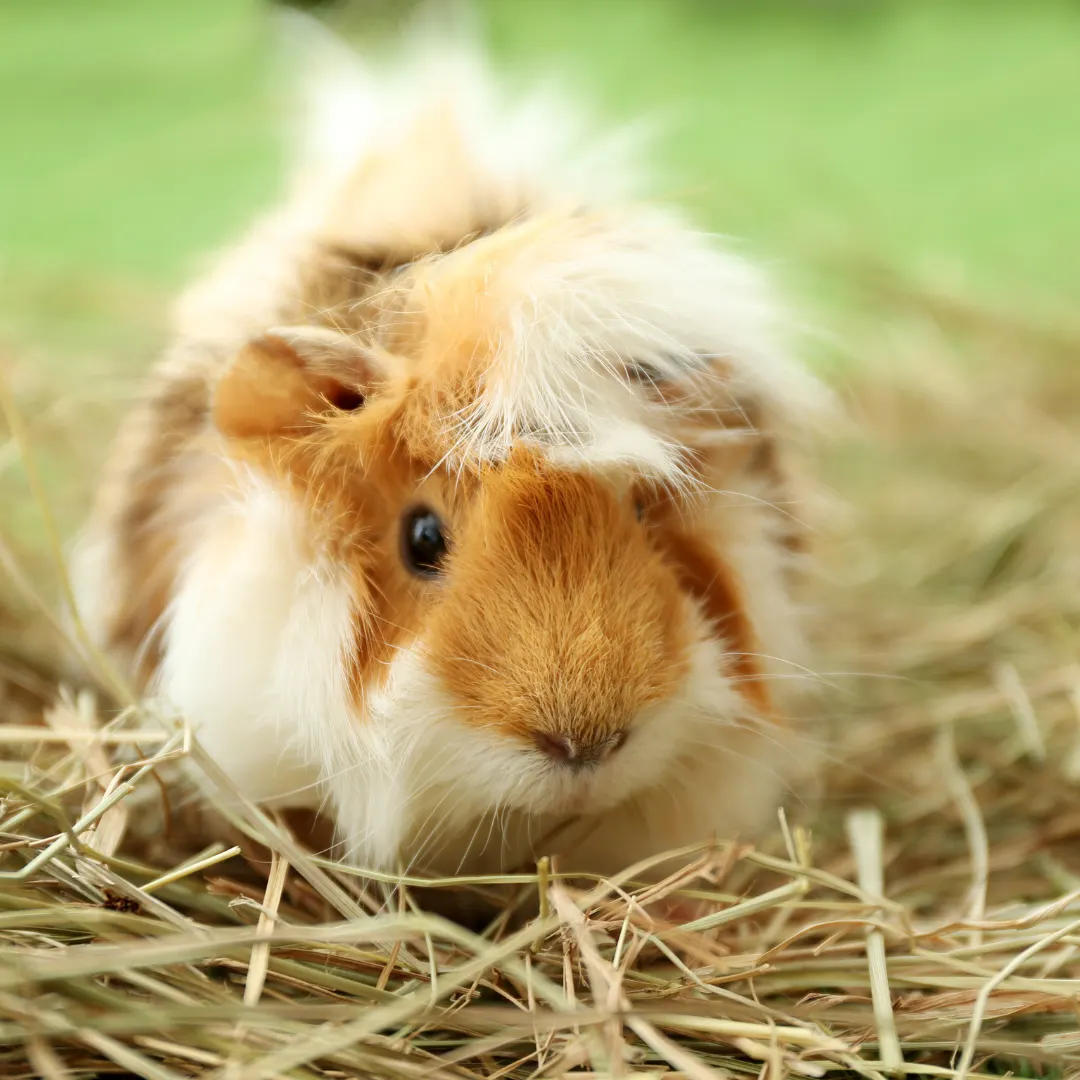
(461, 505)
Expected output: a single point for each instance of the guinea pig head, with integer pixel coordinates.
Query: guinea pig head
(551, 569)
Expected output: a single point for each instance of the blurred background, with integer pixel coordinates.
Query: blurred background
(910, 170)
(911, 173)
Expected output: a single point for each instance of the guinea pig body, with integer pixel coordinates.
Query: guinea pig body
(460, 506)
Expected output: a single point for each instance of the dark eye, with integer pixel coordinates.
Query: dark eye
(423, 543)
(639, 509)
(346, 399)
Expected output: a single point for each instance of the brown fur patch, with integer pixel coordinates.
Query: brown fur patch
(559, 618)
(704, 575)
(146, 459)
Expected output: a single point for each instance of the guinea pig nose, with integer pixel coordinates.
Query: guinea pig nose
(577, 753)
(557, 747)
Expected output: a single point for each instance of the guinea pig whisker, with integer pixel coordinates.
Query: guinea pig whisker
(774, 726)
(431, 839)
(384, 621)
(776, 739)
(433, 763)
(769, 504)
(492, 817)
(479, 664)
(496, 818)
(825, 678)
(790, 663)
(750, 759)
(420, 786)
(795, 744)
(666, 789)
(770, 676)
(422, 829)
(502, 819)
(458, 800)
(529, 822)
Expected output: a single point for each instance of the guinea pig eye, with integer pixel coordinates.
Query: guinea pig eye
(423, 542)
(346, 400)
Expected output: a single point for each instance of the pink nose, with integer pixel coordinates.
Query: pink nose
(577, 753)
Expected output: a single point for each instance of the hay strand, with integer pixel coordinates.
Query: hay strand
(866, 832)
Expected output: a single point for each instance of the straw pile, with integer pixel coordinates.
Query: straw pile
(920, 916)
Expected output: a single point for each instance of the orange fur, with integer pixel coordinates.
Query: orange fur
(559, 617)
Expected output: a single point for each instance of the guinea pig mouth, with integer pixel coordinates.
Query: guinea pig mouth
(577, 801)
(581, 791)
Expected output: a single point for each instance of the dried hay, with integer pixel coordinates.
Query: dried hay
(928, 921)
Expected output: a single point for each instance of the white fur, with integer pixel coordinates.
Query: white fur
(635, 288)
(349, 109)
(254, 646)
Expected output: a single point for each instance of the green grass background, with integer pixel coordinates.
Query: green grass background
(942, 136)
(938, 137)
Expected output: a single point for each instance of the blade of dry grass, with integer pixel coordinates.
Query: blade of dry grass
(865, 828)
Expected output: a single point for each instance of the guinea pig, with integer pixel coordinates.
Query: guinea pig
(462, 504)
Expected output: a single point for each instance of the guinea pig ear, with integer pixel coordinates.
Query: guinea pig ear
(284, 379)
